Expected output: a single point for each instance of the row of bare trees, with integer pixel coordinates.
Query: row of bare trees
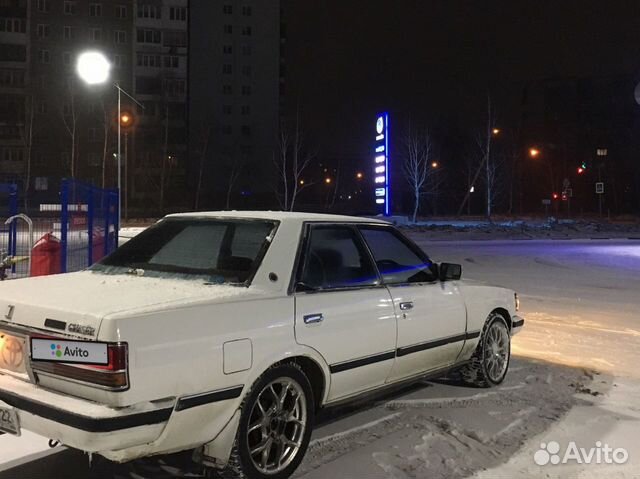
(496, 169)
(487, 167)
(69, 114)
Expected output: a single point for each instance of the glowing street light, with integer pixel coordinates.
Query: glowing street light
(327, 180)
(94, 68)
(359, 175)
(495, 131)
(472, 189)
(434, 164)
(301, 182)
(534, 152)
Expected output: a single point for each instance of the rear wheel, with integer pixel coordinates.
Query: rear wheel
(490, 361)
(275, 425)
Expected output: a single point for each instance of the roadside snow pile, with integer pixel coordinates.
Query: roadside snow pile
(521, 229)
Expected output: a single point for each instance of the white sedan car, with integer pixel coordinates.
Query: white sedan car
(226, 332)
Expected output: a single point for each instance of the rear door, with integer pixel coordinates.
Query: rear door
(343, 311)
(431, 314)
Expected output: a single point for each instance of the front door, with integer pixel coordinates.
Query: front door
(343, 311)
(431, 314)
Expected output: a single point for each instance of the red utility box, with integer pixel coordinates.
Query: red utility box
(45, 256)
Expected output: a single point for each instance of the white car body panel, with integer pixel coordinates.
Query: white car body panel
(195, 350)
(369, 311)
(423, 324)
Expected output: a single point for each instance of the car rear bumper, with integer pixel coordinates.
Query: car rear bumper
(83, 424)
(517, 323)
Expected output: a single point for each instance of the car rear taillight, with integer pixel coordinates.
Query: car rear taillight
(113, 376)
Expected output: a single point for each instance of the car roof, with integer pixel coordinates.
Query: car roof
(282, 216)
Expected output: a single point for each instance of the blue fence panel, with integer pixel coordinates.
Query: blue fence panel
(89, 224)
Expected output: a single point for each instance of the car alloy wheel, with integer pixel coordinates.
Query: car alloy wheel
(496, 351)
(277, 425)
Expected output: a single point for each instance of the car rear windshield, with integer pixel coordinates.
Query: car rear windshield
(221, 251)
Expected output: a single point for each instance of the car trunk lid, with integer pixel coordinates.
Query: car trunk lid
(76, 303)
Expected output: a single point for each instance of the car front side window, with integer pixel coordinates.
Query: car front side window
(396, 260)
(335, 257)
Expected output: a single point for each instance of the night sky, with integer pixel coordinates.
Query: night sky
(435, 61)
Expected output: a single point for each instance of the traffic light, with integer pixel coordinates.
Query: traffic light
(582, 168)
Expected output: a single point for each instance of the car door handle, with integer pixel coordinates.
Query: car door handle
(406, 306)
(313, 318)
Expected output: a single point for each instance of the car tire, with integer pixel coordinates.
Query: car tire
(490, 362)
(282, 428)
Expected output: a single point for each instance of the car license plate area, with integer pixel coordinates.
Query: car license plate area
(9, 421)
(13, 353)
(73, 352)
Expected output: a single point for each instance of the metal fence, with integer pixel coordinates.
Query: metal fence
(8, 232)
(71, 232)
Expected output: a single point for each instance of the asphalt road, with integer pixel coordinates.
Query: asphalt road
(580, 299)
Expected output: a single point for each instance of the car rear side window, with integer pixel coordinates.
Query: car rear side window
(335, 257)
(397, 262)
(223, 251)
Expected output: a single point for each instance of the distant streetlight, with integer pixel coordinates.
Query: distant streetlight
(125, 119)
(359, 175)
(94, 69)
(301, 182)
(327, 180)
(434, 164)
(534, 152)
(472, 189)
(495, 131)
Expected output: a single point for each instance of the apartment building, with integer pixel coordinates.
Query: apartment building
(234, 103)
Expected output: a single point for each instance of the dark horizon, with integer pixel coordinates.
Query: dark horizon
(439, 60)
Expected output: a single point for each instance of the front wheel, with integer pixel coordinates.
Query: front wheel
(275, 425)
(490, 361)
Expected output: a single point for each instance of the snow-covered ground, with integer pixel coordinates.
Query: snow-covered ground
(574, 378)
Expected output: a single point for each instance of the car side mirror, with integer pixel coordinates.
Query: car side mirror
(450, 271)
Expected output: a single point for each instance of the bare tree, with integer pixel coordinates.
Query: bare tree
(106, 125)
(291, 162)
(513, 158)
(26, 133)
(234, 175)
(300, 162)
(484, 143)
(165, 157)
(471, 166)
(280, 162)
(418, 149)
(203, 156)
(70, 122)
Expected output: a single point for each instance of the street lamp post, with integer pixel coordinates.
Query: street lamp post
(94, 69)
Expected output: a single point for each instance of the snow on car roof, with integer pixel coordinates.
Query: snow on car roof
(283, 216)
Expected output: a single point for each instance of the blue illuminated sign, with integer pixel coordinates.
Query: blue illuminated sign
(381, 165)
